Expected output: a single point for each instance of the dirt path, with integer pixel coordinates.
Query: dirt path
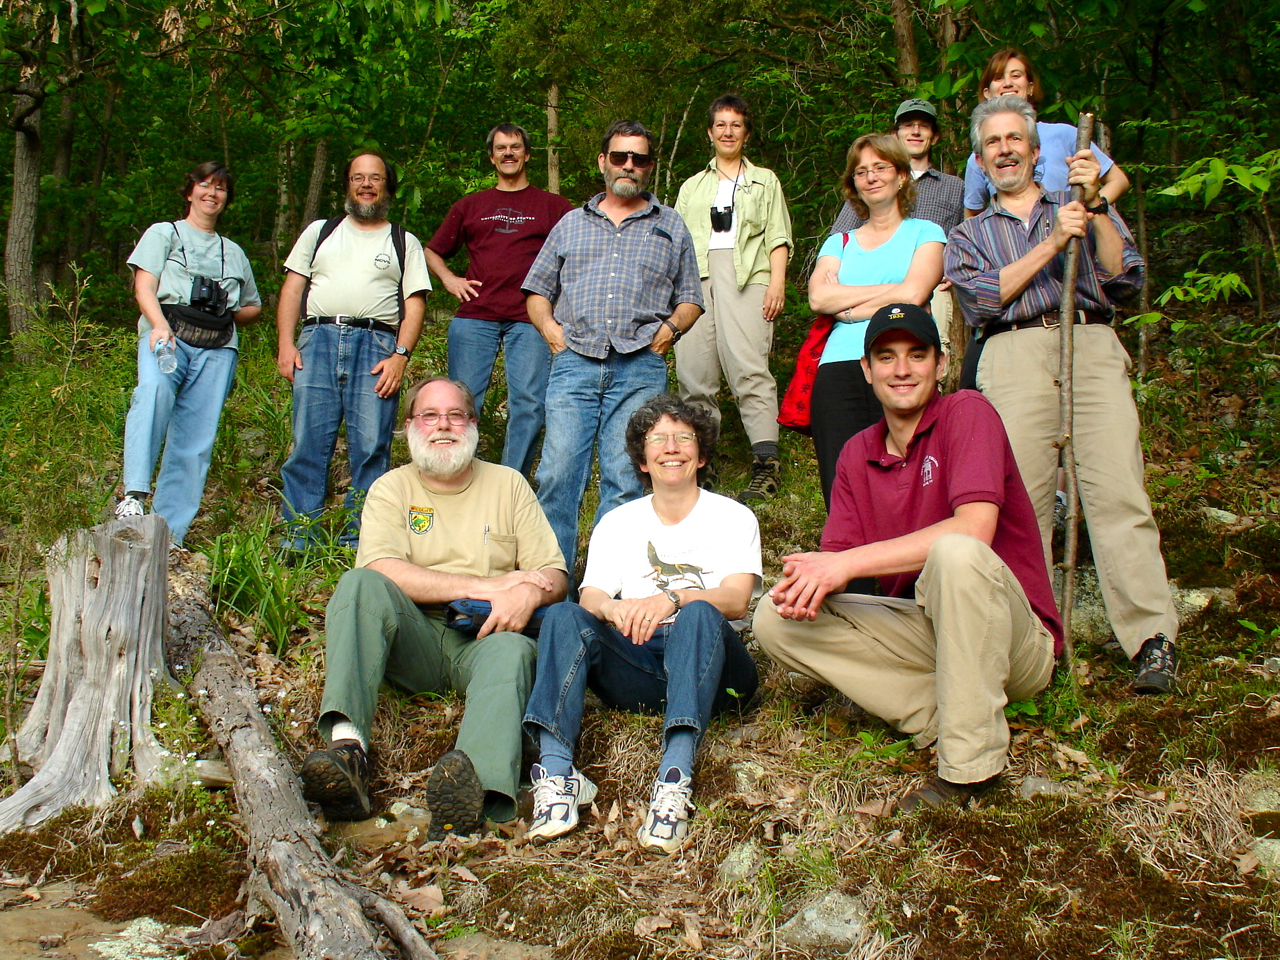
(52, 916)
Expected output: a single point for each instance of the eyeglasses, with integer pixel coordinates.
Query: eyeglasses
(881, 170)
(212, 185)
(430, 418)
(682, 439)
(639, 160)
(373, 178)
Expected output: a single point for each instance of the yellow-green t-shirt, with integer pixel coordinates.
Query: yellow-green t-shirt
(492, 526)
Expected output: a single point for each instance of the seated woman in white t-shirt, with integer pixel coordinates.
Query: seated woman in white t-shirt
(652, 631)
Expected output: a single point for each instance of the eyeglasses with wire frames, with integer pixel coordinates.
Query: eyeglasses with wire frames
(430, 418)
(881, 170)
(373, 178)
(638, 160)
(683, 438)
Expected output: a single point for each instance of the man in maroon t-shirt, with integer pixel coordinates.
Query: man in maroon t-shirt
(503, 229)
(930, 501)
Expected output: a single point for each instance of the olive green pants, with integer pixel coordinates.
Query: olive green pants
(373, 632)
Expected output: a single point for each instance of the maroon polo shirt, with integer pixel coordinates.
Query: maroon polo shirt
(503, 230)
(959, 454)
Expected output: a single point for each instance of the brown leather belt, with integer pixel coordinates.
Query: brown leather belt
(1044, 321)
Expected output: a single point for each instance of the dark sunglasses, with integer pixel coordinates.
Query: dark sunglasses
(639, 160)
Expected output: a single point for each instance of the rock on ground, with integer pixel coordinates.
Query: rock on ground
(830, 923)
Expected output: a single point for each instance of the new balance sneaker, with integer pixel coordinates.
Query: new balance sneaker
(130, 506)
(556, 801)
(667, 824)
(766, 478)
(455, 797)
(1156, 665)
(337, 778)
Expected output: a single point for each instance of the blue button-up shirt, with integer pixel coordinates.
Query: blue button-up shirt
(613, 284)
(979, 247)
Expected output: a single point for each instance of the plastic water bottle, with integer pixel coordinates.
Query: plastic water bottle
(166, 359)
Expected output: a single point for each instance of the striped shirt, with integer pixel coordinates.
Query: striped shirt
(981, 246)
(939, 197)
(613, 284)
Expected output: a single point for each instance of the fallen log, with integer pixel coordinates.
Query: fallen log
(323, 912)
(91, 719)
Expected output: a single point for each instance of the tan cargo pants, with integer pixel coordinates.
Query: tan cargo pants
(940, 667)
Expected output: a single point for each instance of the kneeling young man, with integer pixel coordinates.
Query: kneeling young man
(930, 501)
(651, 631)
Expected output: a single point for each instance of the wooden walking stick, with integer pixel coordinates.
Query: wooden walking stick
(1066, 401)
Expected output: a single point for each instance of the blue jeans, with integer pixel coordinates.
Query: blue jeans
(333, 385)
(473, 347)
(180, 411)
(685, 671)
(589, 402)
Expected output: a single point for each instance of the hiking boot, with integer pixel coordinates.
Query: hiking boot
(766, 478)
(1156, 665)
(130, 506)
(666, 825)
(337, 778)
(455, 797)
(556, 801)
(936, 793)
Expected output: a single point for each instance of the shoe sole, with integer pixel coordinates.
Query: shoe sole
(455, 797)
(656, 849)
(326, 782)
(1153, 687)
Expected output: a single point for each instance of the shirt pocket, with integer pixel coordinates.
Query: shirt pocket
(752, 209)
(500, 553)
(657, 251)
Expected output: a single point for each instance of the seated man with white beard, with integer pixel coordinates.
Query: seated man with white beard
(445, 527)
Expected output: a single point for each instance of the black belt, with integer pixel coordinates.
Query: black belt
(344, 321)
(1042, 322)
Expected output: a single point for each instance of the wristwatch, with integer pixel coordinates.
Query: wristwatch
(672, 596)
(676, 332)
(1102, 206)
(403, 351)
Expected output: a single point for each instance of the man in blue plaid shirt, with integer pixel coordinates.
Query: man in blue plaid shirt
(615, 286)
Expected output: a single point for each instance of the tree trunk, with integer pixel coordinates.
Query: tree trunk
(282, 232)
(553, 135)
(315, 187)
(107, 590)
(50, 269)
(904, 39)
(19, 277)
(322, 911)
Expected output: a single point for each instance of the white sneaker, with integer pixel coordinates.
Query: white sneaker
(556, 801)
(130, 506)
(667, 824)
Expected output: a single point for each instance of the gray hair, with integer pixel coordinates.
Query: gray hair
(1006, 104)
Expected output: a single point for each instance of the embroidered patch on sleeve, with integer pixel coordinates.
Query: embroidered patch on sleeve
(421, 519)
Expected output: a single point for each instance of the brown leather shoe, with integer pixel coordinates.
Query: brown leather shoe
(936, 793)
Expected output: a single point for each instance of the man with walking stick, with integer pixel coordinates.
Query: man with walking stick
(1007, 265)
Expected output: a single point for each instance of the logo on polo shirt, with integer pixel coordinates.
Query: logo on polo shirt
(382, 261)
(926, 470)
(421, 519)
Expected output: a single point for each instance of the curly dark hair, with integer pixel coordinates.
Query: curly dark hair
(669, 405)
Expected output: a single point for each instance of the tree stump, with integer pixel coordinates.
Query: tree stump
(92, 714)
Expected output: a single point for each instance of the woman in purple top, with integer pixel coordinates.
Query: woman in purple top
(1009, 71)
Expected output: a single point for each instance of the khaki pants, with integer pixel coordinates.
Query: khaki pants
(1018, 373)
(941, 667)
(941, 308)
(732, 335)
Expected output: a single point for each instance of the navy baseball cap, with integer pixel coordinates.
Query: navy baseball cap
(915, 320)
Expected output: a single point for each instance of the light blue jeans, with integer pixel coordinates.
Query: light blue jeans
(473, 348)
(334, 385)
(589, 402)
(179, 411)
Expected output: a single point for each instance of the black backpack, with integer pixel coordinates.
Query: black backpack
(397, 241)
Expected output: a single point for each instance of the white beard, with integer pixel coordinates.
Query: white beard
(445, 461)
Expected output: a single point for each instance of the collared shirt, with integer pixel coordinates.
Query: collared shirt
(613, 284)
(939, 197)
(760, 217)
(995, 238)
(958, 454)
